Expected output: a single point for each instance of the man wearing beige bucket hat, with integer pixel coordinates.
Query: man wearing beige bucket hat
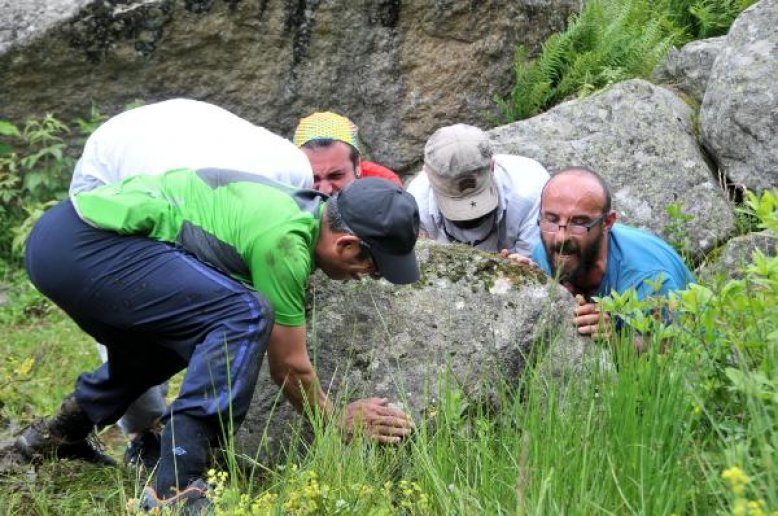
(469, 195)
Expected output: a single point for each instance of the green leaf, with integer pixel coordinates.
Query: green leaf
(33, 180)
(9, 129)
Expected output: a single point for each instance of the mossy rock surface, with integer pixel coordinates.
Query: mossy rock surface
(474, 319)
(728, 261)
(482, 271)
(739, 113)
(399, 70)
(688, 68)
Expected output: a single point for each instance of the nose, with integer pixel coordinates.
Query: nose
(561, 234)
(325, 187)
(335, 187)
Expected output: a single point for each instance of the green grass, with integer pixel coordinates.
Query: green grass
(615, 441)
(688, 427)
(67, 488)
(41, 349)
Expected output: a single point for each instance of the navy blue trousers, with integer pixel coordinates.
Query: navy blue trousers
(158, 310)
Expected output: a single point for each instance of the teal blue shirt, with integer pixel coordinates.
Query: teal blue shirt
(634, 257)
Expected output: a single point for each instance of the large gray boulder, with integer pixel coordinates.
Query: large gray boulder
(20, 21)
(688, 68)
(729, 260)
(641, 138)
(739, 113)
(473, 317)
(398, 69)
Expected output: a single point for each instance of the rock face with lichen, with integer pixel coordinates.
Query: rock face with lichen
(739, 113)
(641, 138)
(688, 68)
(398, 69)
(473, 318)
(729, 260)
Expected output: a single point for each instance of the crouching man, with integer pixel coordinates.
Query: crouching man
(161, 269)
(583, 247)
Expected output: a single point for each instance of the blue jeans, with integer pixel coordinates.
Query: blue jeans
(148, 408)
(158, 311)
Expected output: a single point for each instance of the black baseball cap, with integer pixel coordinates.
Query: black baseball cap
(386, 218)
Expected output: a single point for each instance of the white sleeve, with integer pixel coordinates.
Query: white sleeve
(525, 179)
(420, 189)
(93, 168)
(529, 234)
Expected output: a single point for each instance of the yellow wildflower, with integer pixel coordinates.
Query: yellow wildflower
(737, 479)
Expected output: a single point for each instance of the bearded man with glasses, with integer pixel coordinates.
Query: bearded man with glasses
(583, 247)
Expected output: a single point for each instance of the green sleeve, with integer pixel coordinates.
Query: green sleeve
(280, 272)
(134, 207)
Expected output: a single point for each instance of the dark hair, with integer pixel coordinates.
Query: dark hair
(336, 224)
(582, 171)
(318, 143)
(334, 219)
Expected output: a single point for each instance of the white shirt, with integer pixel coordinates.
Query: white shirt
(184, 133)
(519, 181)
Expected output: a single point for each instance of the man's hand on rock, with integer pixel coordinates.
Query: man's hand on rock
(377, 420)
(590, 320)
(516, 257)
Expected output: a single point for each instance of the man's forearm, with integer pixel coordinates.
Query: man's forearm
(291, 368)
(302, 389)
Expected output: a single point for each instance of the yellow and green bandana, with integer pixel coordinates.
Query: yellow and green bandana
(326, 125)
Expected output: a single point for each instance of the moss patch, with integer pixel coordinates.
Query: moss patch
(457, 263)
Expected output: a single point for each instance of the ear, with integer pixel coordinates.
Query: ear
(346, 244)
(610, 219)
(358, 169)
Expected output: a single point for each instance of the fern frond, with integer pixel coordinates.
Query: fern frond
(610, 41)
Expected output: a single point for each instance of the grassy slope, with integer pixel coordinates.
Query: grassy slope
(60, 350)
(623, 443)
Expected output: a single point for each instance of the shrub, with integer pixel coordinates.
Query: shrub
(608, 42)
(729, 332)
(700, 19)
(36, 163)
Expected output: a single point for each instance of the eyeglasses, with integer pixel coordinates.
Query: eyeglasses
(547, 226)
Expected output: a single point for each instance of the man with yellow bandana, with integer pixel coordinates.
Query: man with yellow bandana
(331, 143)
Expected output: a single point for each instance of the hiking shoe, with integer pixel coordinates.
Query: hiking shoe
(90, 449)
(67, 435)
(144, 450)
(191, 501)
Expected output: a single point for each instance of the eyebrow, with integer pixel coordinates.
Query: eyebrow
(328, 174)
(571, 217)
